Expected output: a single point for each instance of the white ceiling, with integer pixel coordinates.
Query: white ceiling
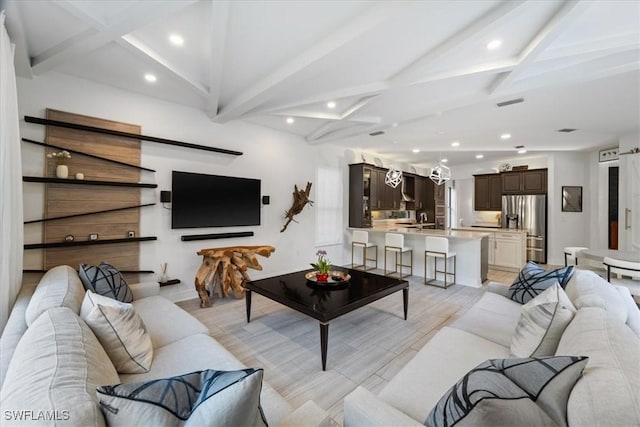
(418, 70)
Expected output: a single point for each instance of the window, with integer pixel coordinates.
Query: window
(328, 206)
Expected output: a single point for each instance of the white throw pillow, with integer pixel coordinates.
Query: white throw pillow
(198, 399)
(121, 332)
(542, 322)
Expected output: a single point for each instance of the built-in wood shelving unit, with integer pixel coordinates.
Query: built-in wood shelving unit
(75, 126)
(87, 182)
(89, 213)
(87, 242)
(57, 147)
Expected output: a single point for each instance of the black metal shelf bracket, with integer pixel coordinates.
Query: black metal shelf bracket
(58, 123)
(86, 182)
(93, 156)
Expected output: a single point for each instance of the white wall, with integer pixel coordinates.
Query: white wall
(279, 159)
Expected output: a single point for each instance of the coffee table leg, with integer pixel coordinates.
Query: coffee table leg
(324, 338)
(247, 299)
(405, 299)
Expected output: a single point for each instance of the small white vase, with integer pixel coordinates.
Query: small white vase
(62, 171)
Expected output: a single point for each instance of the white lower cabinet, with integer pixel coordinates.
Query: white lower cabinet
(507, 250)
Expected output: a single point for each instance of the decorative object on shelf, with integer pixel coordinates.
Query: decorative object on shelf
(69, 238)
(300, 199)
(378, 162)
(163, 276)
(131, 233)
(440, 174)
(93, 236)
(520, 168)
(62, 171)
(393, 178)
(322, 266)
(79, 175)
(608, 154)
(505, 167)
(571, 199)
(226, 270)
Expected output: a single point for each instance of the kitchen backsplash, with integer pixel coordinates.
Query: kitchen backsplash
(486, 217)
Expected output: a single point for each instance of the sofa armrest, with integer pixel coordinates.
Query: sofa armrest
(143, 290)
(498, 288)
(307, 415)
(363, 408)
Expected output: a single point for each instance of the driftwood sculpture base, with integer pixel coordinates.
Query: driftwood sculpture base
(226, 269)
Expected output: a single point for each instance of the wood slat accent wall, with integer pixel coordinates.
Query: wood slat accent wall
(63, 199)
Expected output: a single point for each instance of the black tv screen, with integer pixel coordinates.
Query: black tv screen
(200, 200)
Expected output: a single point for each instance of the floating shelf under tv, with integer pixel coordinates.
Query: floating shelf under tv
(87, 242)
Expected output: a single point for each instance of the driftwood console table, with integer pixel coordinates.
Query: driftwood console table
(226, 269)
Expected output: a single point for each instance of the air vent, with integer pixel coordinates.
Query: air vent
(518, 147)
(510, 102)
(566, 130)
(376, 133)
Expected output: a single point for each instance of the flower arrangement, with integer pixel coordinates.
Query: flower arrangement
(323, 265)
(61, 156)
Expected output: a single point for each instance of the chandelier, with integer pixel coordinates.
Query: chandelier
(440, 174)
(393, 178)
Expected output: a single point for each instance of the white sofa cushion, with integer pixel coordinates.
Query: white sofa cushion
(541, 324)
(609, 391)
(510, 392)
(56, 367)
(493, 317)
(59, 287)
(197, 399)
(587, 289)
(121, 332)
(449, 355)
(633, 312)
(165, 321)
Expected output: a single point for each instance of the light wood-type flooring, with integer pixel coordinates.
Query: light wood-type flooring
(366, 347)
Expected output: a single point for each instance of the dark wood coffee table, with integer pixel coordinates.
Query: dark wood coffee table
(323, 302)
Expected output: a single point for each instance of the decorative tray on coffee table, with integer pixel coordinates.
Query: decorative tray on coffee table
(335, 278)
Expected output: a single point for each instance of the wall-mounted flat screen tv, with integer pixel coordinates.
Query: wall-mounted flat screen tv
(200, 200)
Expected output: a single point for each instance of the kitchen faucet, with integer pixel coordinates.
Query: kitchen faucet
(423, 217)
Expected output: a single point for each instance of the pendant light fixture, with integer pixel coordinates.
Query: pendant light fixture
(393, 178)
(440, 173)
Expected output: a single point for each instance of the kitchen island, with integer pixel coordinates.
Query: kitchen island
(471, 248)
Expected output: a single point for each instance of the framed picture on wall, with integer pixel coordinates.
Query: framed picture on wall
(571, 199)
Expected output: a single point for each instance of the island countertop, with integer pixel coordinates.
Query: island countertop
(451, 234)
(492, 229)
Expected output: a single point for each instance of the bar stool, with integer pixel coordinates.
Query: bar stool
(361, 239)
(438, 247)
(573, 252)
(394, 242)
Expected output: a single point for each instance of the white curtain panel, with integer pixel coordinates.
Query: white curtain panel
(11, 221)
(328, 206)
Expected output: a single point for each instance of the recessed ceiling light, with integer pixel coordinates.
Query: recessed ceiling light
(505, 136)
(522, 151)
(394, 124)
(394, 142)
(494, 44)
(416, 150)
(455, 144)
(176, 39)
(444, 160)
(150, 78)
(290, 120)
(331, 104)
(479, 156)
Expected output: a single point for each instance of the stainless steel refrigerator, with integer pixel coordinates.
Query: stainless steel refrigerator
(528, 212)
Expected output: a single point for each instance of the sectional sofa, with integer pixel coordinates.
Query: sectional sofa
(51, 362)
(605, 328)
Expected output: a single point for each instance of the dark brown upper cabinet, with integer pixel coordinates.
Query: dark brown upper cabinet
(488, 192)
(532, 181)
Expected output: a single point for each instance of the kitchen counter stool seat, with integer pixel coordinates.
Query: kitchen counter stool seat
(361, 240)
(394, 242)
(438, 247)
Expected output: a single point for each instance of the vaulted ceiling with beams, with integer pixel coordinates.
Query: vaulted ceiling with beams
(420, 75)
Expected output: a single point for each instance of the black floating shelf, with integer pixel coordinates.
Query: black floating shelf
(88, 213)
(170, 282)
(121, 271)
(191, 237)
(58, 123)
(87, 242)
(93, 156)
(86, 182)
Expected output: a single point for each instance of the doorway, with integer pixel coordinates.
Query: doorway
(613, 207)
